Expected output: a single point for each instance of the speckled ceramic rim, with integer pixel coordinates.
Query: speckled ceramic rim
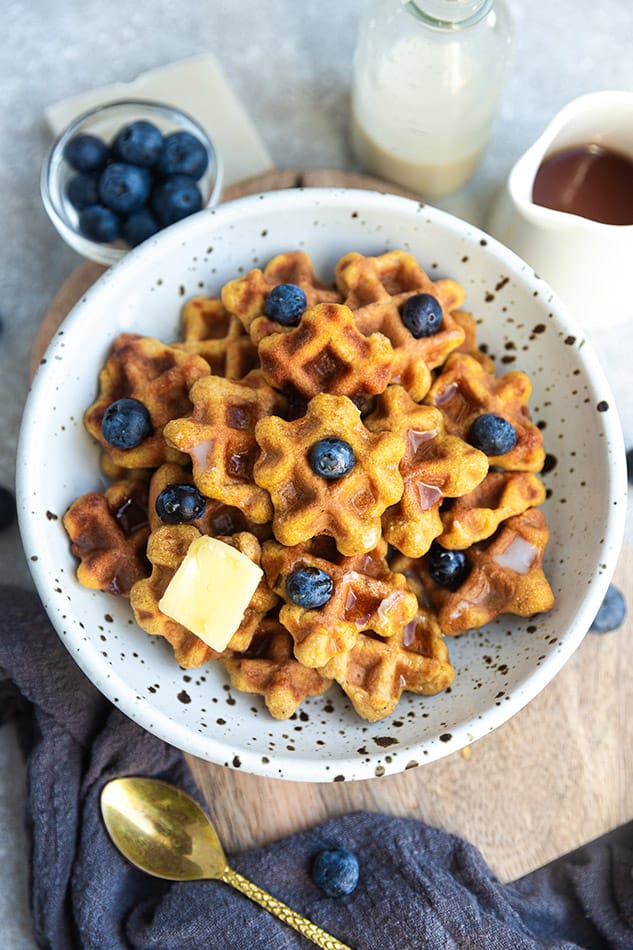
(281, 764)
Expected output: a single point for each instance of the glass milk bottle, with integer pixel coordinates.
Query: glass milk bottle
(427, 79)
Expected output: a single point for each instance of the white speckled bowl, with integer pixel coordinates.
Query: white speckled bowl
(500, 668)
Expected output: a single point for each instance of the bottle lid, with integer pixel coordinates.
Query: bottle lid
(449, 14)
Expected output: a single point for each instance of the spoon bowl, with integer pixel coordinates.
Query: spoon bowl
(164, 832)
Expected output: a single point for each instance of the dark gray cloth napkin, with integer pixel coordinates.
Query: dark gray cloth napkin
(419, 887)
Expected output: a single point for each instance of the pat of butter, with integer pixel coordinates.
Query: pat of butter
(210, 590)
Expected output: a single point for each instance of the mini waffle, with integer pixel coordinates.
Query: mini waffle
(375, 672)
(434, 466)
(166, 548)
(108, 533)
(376, 289)
(464, 390)
(327, 353)
(157, 375)
(218, 337)
(269, 669)
(366, 595)
(467, 322)
(347, 509)
(506, 577)
(219, 437)
(218, 519)
(477, 515)
(246, 296)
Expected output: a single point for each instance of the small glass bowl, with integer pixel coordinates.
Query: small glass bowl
(105, 122)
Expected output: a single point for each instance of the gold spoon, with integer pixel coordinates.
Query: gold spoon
(164, 832)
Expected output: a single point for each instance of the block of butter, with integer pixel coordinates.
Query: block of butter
(210, 590)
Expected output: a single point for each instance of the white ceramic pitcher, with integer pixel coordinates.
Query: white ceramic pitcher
(588, 264)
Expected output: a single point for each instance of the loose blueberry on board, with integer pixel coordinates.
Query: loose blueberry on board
(139, 226)
(309, 587)
(123, 187)
(612, 612)
(82, 190)
(86, 153)
(422, 315)
(447, 568)
(335, 872)
(180, 503)
(175, 198)
(285, 304)
(99, 224)
(492, 434)
(7, 508)
(139, 143)
(332, 458)
(183, 154)
(126, 423)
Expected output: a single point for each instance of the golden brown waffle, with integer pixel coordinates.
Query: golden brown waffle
(218, 519)
(269, 669)
(506, 577)
(157, 375)
(246, 296)
(219, 438)
(327, 353)
(477, 515)
(213, 333)
(108, 533)
(470, 346)
(464, 390)
(376, 289)
(366, 595)
(348, 509)
(375, 672)
(434, 466)
(166, 548)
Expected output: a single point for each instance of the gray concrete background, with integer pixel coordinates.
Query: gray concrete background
(290, 63)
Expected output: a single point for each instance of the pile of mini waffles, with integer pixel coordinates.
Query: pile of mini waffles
(350, 439)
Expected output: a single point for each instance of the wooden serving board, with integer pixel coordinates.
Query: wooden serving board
(554, 777)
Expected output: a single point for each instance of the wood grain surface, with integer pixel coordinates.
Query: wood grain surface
(557, 775)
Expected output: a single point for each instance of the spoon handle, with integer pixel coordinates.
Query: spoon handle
(282, 911)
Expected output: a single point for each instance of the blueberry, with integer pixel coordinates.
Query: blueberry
(139, 226)
(82, 190)
(124, 187)
(447, 568)
(492, 434)
(174, 198)
(126, 423)
(612, 612)
(99, 223)
(629, 465)
(183, 154)
(86, 153)
(178, 503)
(422, 315)
(7, 507)
(309, 587)
(285, 304)
(335, 872)
(332, 458)
(139, 143)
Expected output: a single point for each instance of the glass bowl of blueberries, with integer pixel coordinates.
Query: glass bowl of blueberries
(124, 171)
